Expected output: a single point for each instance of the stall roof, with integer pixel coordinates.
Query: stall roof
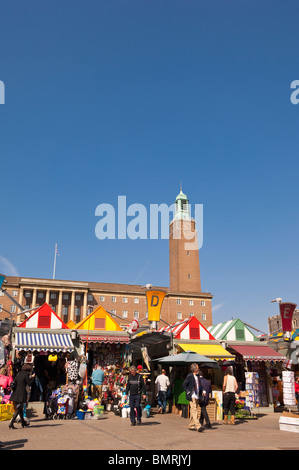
(279, 336)
(43, 341)
(213, 351)
(149, 338)
(43, 317)
(232, 330)
(98, 320)
(258, 353)
(190, 328)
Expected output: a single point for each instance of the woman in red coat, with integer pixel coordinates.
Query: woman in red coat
(19, 395)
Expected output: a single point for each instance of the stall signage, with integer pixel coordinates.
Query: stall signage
(154, 304)
(109, 339)
(286, 312)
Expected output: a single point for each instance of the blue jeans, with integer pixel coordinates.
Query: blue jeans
(39, 388)
(162, 400)
(135, 402)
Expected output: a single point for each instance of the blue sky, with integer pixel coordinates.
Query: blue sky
(131, 97)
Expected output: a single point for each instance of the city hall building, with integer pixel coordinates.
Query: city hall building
(74, 300)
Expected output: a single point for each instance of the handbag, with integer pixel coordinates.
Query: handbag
(13, 385)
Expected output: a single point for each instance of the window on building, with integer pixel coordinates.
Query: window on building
(65, 296)
(1, 305)
(125, 313)
(113, 298)
(44, 321)
(102, 298)
(179, 316)
(202, 303)
(100, 323)
(136, 300)
(27, 294)
(125, 300)
(65, 311)
(178, 302)
(77, 312)
(191, 314)
(1, 293)
(90, 297)
(189, 276)
(13, 308)
(194, 333)
(53, 295)
(40, 295)
(78, 296)
(136, 314)
(240, 335)
(14, 293)
(204, 317)
(191, 302)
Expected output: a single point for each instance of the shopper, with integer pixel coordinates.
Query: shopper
(97, 379)
(72, 368)
(230, 387)
(193, 389)
(135, 388)
(162, 382)
(206, 392)
(23, 379)
(297, 392)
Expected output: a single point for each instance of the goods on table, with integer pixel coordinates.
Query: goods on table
(288, 387)
(252, 389)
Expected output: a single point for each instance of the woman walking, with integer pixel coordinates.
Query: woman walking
(230, 387)
(19, 395)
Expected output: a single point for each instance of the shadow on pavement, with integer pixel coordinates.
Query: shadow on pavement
(10, 445)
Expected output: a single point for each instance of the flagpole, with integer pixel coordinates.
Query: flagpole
(54, 268)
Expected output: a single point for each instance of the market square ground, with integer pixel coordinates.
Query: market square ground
(166, 432)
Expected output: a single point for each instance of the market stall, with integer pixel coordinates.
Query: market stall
(265, 363)
(45, 341)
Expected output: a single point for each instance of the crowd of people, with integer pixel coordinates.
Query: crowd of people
(40, 376)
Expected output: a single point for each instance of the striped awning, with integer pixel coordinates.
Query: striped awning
(25, 341)
(258, 353)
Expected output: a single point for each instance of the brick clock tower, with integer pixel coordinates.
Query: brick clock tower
(184, 270)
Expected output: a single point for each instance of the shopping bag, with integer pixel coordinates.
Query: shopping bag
(6, 412)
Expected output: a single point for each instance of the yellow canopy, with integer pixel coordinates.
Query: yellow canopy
(214, 351)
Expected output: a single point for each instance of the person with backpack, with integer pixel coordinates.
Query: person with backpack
(135, 388)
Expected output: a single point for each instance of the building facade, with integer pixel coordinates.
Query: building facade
(74, 300)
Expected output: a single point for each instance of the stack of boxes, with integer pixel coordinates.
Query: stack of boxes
(252, 389)
(288, 387)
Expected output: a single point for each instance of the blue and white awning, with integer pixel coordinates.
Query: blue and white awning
(25, 341)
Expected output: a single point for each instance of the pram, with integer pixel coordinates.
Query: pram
(62, 407)
(51, 407)
(67, 404)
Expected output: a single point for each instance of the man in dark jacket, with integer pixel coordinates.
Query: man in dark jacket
(206, 391)
(193, 389)
(135, 388)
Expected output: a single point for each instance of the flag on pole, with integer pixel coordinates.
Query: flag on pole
(56, 249)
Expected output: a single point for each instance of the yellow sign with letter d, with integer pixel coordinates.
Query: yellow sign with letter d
(154, 304)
